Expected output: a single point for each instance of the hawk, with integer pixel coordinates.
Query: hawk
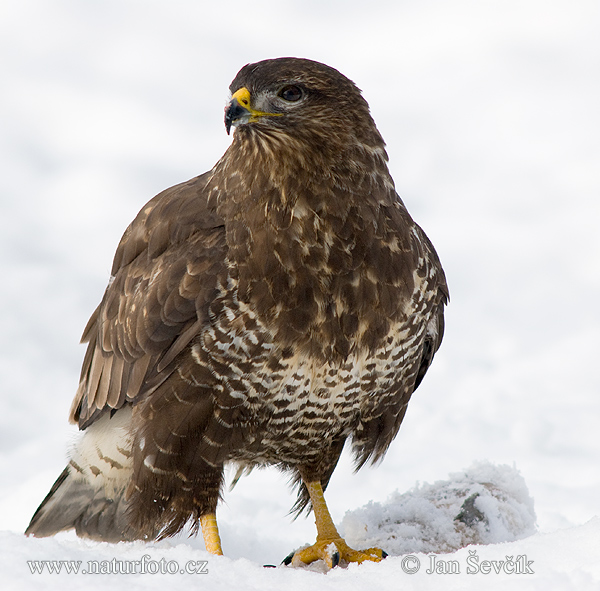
(262, 313)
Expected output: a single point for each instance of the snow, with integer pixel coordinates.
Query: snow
(490, 113)
(486, 504)
(563, 559)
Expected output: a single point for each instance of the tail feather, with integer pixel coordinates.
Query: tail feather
(76, 504)
(89, 495)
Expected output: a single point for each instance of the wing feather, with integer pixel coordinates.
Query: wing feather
(102, 393)
(113, 398)
(137, 374)
(165, 274)
(97, 364)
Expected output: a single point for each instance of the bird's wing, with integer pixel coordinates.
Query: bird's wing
(441, 296)
(372, 439)
(164, 276)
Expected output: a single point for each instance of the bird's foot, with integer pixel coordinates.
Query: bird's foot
(333, 552)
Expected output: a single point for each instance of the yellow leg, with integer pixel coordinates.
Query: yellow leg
(325, 527)
(210, 533)
(330, 546)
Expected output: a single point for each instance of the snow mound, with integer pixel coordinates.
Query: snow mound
(487, 504)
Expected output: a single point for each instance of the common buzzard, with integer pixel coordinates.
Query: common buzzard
(260, 314)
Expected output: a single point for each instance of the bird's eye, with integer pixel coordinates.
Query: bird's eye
(291, 93)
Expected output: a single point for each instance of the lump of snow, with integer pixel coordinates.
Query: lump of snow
(486, 504)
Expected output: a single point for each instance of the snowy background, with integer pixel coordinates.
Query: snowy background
(490, 112)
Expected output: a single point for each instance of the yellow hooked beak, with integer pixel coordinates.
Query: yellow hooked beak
(239, 110)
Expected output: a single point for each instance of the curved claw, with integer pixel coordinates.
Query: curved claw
(288, 559)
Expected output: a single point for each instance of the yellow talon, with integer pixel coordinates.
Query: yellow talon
(333, 552)
(330, 546)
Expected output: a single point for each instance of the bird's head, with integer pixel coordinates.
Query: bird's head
(301, 99)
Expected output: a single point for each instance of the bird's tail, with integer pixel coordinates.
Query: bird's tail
(89, 495)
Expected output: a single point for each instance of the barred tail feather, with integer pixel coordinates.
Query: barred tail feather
(89, 495)
(76, 504)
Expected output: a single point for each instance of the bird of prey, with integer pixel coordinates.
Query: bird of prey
(262, 313)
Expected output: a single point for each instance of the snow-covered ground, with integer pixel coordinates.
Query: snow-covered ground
(490, 112)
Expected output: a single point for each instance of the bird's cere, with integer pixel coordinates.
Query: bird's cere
(240, 111)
